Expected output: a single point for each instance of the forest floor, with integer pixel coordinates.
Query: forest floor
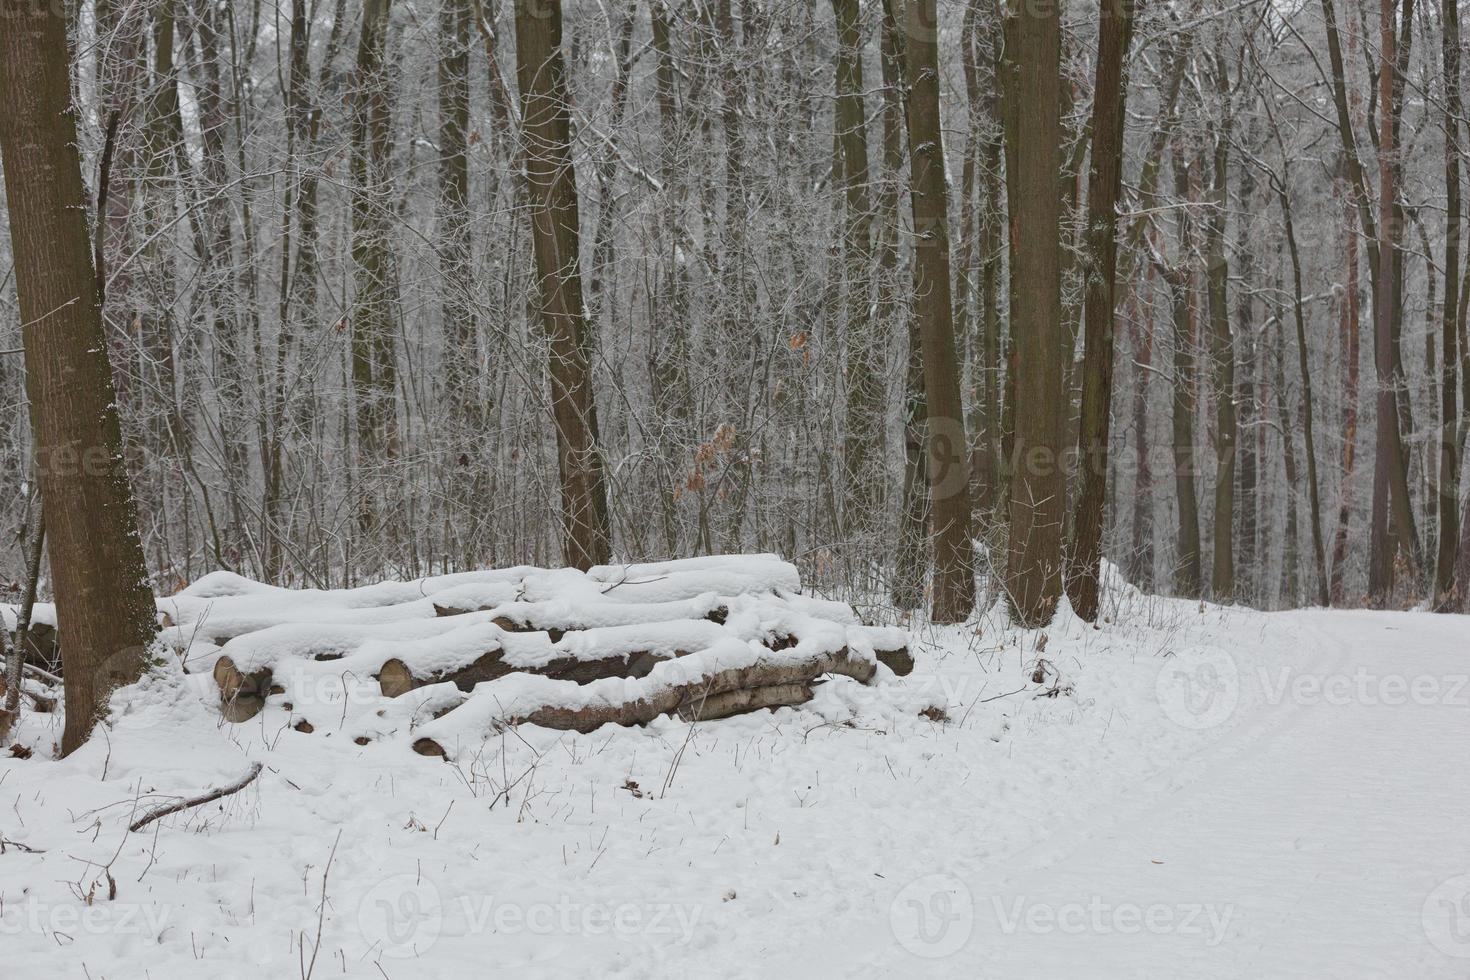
(1192, 792)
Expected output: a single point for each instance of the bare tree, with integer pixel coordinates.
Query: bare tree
(374, 357)
(1038, 487)
(103, 601)
(551, 183)
(863, 438)
(949, 465)
(1110, 92)
(1222, 344)
(1448, 498)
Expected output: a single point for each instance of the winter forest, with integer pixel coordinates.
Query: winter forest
(801, 241)
(701, 357)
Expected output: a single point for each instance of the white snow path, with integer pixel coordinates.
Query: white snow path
(1322, 839)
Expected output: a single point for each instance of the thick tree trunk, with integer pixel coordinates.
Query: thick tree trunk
(862, 446)
(1038, 488)
(551, 183)
(104, 605)
(1115, 30)
(374, 355)
(949, 476)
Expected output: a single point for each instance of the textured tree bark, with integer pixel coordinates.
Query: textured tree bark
(374, 356)
(1390, 480)
(1115, 31)
(551, 184)
(1313, 493)
(1222, 355)
(1187, 543)
(1141, 552)
(992, 241)
(104, 605)
(862, 448)
(1450, 420)
(464, 462)
(1291, 547)
(1352, 354)
(1038, 487)
(453, 207)
(1248, 351)
(913, 530)
(1357, 182)
(949, 464)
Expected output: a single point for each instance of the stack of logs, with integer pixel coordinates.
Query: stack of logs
(564, 652)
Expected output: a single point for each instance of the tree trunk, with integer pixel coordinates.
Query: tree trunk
(1222, 354)
(1352, 354)
(913, 529)
(1450, 421)
(1291, 547)
(374, 357)
(1250, 381)
(1313, 493)
(1187, 579)
(992, 232)
(453, 204)
(551, 184)
(104, 606)
(862, 449)
(1141, 554)
(949, 477)
(1038, 487)
(1115, 30)
(1390, 481)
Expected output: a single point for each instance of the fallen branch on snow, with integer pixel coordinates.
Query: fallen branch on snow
(193, 801)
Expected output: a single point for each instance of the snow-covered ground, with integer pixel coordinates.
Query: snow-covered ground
(1188, 792)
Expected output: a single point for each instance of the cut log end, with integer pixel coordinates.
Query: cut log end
(241, 695)
(394, 679)
(429, 747)
(900, 661)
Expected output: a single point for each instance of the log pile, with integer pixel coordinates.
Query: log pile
(447, 661)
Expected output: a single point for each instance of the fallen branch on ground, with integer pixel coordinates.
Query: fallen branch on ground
(193, 801)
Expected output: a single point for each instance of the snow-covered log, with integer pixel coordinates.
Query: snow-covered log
(726, 679)
(702, 638)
